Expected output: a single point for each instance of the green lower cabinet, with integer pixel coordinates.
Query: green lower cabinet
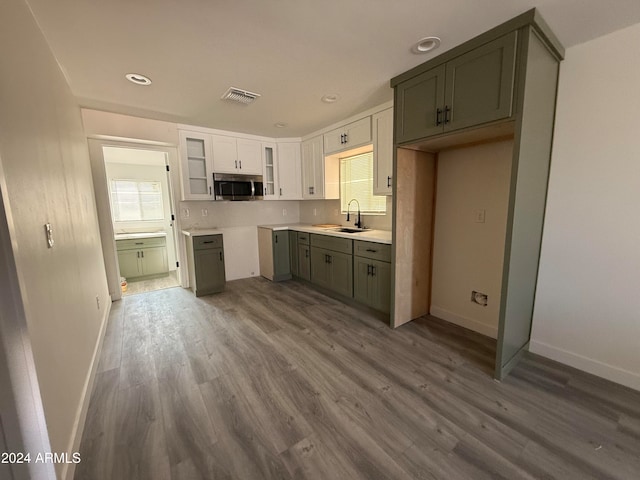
(320, 267)
(209, 271)
(129, 260)
(154, 261)
(281, 256)
(304, 261)
(332, 270)
(293, 253)
(372, 283)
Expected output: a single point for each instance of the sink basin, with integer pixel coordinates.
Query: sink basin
(350, 230)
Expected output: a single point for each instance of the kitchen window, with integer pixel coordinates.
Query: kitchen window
(134, 200)
(356, 181)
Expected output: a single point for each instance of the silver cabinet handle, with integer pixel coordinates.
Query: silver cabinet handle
(220, 256)
(240, 162)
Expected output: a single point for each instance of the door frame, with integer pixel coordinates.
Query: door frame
(105, 220)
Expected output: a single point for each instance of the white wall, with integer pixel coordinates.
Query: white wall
(587, 310)
(47, 173)
(117, 125)
(468, 255)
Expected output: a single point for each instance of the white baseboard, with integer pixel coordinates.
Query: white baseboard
(589, 365)
(69, 469)
(465, 322)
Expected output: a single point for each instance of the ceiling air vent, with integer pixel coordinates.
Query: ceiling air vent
(239, 95)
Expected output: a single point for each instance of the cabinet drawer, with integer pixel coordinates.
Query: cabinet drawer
(344, 245)
(303, 238)
(207, 241)
(137, 243)
(375, 251)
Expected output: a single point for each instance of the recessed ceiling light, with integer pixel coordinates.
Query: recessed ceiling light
(138, 79)
(425, 45)
(330, 98)
(280, 124)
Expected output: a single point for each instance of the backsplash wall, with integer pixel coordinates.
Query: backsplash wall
(221, 214)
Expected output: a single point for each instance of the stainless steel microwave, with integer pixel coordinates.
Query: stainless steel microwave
(237, 187)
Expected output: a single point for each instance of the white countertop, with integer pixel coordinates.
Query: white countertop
(199, 232)
(132, 236)
(378, 236)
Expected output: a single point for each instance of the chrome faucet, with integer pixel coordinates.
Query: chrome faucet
(358, 222)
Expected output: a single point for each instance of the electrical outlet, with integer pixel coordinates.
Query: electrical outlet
(205, 212)
(315, 212)
(335, 212)
(98, 302)
(284, 212)
(479, 298)
(479, 215)
(185, 212)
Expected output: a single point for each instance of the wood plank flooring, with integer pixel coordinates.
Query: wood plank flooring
(278, 381)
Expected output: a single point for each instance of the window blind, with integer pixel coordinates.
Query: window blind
(356, 181)
(133, 200)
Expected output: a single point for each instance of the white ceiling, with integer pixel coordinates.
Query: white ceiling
(290, 51)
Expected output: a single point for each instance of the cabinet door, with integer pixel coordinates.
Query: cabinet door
(249, 157)
(293, 253)
(313, 168)
(419, 106)
(383, 152)
(341, 273)
(320, 267)
(269, 171)
(352, 135)
(358, 133)
(154, 261)
(129, 262)
(304, 262)
(281, 265)
(334, 141)
(209, 267)
(196, 166)
(361, 284)
(380, 286)
(225, 154)
(289, 171)
(479, 84)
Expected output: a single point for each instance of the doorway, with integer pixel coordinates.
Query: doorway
(134, 187)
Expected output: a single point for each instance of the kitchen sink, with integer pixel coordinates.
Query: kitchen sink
(350, 230)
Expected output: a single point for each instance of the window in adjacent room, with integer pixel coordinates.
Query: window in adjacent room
(356, 181)
(133, 200)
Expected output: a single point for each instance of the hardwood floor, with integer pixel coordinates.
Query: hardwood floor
(278, 381)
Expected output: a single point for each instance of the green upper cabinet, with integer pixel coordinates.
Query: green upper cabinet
(419, 106)
(479, 85)
(471, 89)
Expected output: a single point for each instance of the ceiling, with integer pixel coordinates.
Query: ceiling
(292, 52)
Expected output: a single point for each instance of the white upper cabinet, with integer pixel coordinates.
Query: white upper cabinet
(236, 155)
(350, 136)
(382, 124)
(270, 172)
(196, 166)
(249, 157)
(225, 154)
(312, 168)
(289, 171)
